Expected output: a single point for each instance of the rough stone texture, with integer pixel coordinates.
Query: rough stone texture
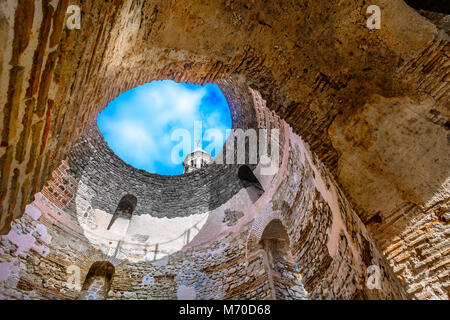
(108, 179)
(441, 20)
(299, 56)
(371, 104)
(299, 234)
(231, 217)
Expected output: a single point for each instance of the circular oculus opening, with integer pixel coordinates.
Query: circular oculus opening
(156, 126)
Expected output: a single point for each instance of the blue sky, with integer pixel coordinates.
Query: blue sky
(138, 124)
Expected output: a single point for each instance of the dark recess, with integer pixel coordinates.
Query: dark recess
(441, 6)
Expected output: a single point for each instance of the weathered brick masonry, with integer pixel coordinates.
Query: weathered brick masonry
(326, 249)
(367, 170)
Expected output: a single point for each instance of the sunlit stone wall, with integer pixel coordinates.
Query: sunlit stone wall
(329, 249)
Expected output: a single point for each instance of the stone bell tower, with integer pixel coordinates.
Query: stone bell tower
(196, 159)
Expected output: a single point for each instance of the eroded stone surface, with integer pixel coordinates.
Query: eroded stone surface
(371, 104)
(323, 252)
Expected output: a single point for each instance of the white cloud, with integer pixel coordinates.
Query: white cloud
(131, 141)
(138, 126)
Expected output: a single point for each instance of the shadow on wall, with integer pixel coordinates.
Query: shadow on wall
(250, 182)
(440, 6)
(124, 209)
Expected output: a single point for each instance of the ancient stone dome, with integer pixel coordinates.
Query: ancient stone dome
(349, 100)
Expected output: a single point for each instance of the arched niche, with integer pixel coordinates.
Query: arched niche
(98, 281)
(286, 280)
